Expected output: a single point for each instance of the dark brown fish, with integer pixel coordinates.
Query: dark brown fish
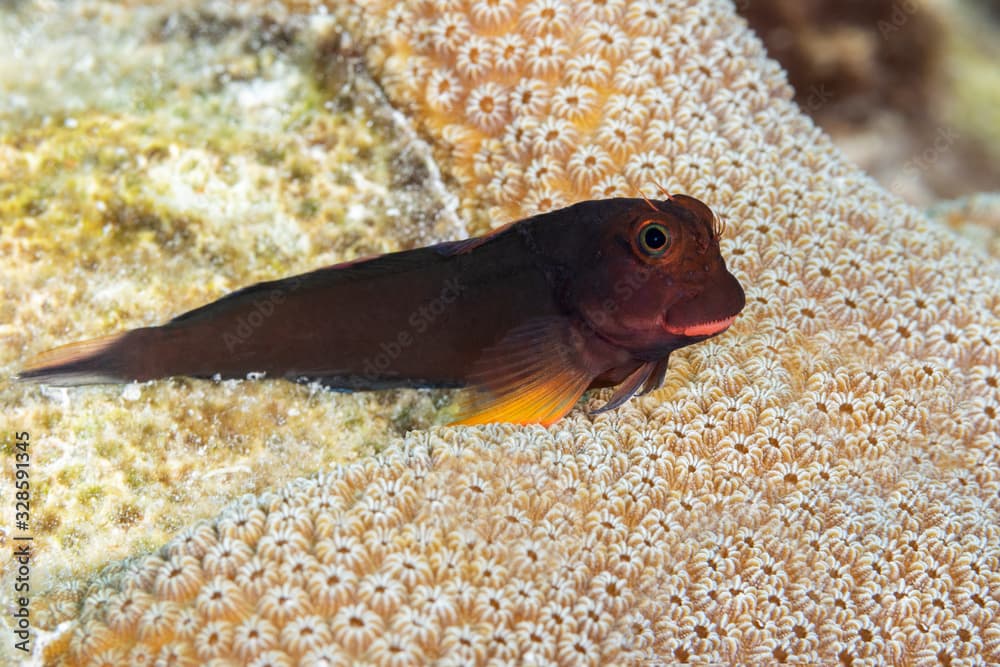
(529, 316)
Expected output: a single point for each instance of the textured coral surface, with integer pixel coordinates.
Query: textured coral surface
(820, 484)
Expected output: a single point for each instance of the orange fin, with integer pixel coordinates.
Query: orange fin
(73, 364)
(533, 375)
(629, 386)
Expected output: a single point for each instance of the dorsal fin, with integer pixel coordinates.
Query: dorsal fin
(363, 268)
(451, 248)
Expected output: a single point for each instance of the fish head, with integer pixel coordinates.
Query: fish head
(655, 280)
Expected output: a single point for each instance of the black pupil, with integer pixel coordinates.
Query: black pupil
(655, 238)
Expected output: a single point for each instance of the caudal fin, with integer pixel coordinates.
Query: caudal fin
(86, 362)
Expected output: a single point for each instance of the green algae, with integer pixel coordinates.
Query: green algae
(90, 495)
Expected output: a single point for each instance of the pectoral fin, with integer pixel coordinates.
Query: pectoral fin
(534, 374)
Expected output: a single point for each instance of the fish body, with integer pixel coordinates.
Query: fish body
(529, 316)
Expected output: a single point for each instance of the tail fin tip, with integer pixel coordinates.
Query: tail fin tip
(68, 365)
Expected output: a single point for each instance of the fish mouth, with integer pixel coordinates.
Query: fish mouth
(708, 312)
(709, 328)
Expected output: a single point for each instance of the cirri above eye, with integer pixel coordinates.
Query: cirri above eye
(654, 239)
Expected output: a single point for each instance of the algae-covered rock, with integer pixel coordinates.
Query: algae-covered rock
(153, 158)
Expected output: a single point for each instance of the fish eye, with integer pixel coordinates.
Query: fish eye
(654, 239)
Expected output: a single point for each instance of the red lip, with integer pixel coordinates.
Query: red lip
(704, 329)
